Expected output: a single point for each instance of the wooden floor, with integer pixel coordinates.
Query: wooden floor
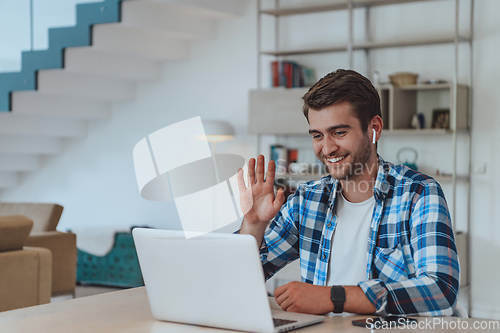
(82, 291)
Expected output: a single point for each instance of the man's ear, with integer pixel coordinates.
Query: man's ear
(376, 124)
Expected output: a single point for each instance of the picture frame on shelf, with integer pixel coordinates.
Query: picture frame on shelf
(441, 118)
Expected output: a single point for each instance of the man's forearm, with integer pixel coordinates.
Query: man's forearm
(429, 294)
(307, 298)
(356, 301)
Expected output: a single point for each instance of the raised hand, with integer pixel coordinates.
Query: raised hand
(257, 200)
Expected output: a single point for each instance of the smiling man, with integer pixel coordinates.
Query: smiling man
(372, 237)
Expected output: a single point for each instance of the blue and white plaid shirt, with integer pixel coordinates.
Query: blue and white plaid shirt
(412, 263)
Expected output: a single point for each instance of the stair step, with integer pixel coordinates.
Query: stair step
(41, 59)
(14, 81)
(96, 62)
(14, 124)
(10, 144)
(8, 180)
(149, 44)
(37, 103)
(220, 9)
(12, 162)
(61, 82)
(167, 17)
(104, 11)
(62, 37)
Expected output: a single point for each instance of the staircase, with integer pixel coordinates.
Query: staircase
(114, 46)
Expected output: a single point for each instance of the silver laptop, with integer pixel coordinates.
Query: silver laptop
(211, 280)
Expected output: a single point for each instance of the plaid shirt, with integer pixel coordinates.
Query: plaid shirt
(412, 263)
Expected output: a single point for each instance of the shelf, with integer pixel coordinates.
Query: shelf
(449, 178)
(300, 176)
(314, 176)
(334, 7)
(339, 48)
(420, 86)
(277, 111)
(425, 131)
(368, 46)
(408, 42)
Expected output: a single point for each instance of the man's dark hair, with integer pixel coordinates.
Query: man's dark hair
(344, 86)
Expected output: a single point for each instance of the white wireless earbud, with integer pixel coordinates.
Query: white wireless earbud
(374, 136)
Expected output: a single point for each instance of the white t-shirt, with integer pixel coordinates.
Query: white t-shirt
(349, 254)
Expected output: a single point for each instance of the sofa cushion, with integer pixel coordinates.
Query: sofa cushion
(13, 232)
(63, 248)
(45, 216)
(25, 279)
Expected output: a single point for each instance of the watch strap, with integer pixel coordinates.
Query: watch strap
(337, 295)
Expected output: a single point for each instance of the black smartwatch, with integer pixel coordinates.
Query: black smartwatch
(337, 295)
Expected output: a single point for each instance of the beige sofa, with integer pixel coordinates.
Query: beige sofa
(62, 244)
(26, 272)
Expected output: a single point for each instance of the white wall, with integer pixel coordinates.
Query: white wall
(94, 178)
(485, 151)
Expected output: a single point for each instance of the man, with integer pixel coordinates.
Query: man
(372, 237)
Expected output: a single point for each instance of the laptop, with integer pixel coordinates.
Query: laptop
(211, 280)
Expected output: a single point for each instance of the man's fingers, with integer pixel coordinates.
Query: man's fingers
(280, 290)
(260, 169)
(251, 171)
(241, 181)
(271, 171)
(279, 199)
(287, 304)
(281, 298)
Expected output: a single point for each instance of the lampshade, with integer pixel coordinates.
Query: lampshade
(218, 130)
(172, 163)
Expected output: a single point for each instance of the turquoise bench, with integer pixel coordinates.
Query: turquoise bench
(118, 268)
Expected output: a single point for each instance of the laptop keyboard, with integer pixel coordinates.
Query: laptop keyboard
(280, 322)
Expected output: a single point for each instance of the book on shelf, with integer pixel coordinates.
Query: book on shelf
(288, 164)
(275, 72)
(294, 167)
(279, 154)
(290, 74)
(292, 155)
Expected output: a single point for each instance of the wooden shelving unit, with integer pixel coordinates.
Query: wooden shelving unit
(333, 7)
(399, 104)
(277, 111)
(368, 46)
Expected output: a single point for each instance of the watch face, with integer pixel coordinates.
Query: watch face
(337, 296)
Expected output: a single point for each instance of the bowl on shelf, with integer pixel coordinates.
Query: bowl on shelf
(403, 78)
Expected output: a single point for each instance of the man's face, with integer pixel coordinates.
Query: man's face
(339, 142)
